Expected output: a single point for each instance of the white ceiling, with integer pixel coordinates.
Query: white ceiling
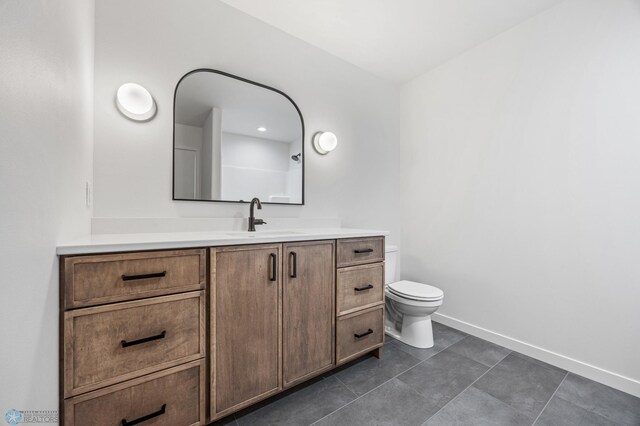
(396, 40)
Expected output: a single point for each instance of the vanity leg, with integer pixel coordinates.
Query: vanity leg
(378, 352)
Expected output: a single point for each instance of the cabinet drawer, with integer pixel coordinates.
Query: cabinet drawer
(357, 251)
(173, 397)
(358, 333)
(360, 287)
(95, 280)
(109, 344)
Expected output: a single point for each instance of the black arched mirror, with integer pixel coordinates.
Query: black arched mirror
(235, 139)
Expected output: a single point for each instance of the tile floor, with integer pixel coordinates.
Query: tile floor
(462, 380)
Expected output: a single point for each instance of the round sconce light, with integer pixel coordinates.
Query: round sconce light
(135, 102)
(325, 142)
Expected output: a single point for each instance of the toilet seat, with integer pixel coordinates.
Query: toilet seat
(415, 291)
(412, 302)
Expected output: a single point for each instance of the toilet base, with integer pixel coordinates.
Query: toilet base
(417, 331)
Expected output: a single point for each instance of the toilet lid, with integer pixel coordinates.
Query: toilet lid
(415, 290)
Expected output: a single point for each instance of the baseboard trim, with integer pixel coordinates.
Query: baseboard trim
(617, 381)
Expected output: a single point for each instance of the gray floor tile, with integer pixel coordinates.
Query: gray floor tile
(440, 378)
(562, 413)
(523, 384)
(226, 421)
(446, 334)
(421, 354)
(371, 372)
(480, 350)
(476, 408)
(537, 361)
(512, 392)
(443, 337)
(609, 403)
(302, 407)
(388, 339)
(392, 404)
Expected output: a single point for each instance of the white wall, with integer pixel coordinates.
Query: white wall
(294, 176)
(155, 42)
(46, 114)
(254, 153)
(189, 137)
(212, 144)
(521, 185)
(253, 167)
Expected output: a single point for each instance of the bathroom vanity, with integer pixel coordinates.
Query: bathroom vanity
(184, 329)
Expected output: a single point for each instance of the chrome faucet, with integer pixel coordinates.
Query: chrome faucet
(252, 219)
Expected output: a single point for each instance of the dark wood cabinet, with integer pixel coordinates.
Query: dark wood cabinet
(360, 310)
(246, 326)
(189, 336)
(308, 321)
(133, 338)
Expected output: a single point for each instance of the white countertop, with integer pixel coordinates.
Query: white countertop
(109, 243)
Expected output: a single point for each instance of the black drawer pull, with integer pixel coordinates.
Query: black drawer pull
(369, 287)
(274, 267)
(145, 418)
(144, 276)
(360, 251)
(125, 344)
(294, 265)
(366, 333)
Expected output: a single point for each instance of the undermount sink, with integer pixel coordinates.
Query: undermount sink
(262, 233)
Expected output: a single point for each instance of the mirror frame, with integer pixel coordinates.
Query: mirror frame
(264, 86)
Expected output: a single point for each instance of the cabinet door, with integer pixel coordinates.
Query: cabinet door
(308, 310)
(245, 326)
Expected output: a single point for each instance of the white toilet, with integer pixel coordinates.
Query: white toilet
(408, 305)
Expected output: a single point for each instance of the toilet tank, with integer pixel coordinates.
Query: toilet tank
(391, 270)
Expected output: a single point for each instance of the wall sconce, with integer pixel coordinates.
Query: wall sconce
(325, 142)
(135, 102)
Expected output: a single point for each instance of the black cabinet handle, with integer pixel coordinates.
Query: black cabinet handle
(160, 412)
(144, 276)
(274, 267)
(364, 288)
(125, 344)
(366, 333)
(294, 264)
(360, 251)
